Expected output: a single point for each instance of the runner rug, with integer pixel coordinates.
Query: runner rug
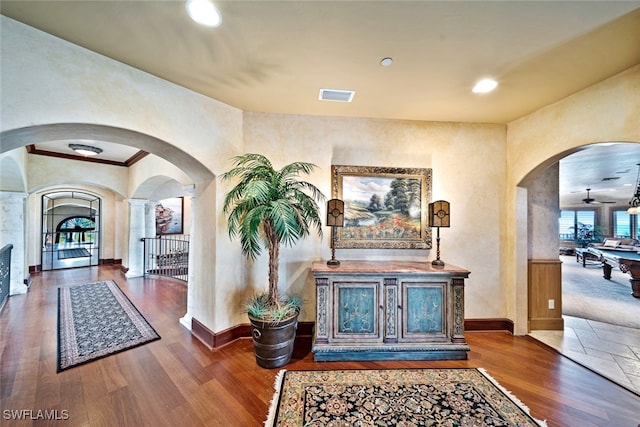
(97, 320)
(398, 397)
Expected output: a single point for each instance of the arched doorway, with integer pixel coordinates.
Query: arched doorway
(539, 222)
(71, 232)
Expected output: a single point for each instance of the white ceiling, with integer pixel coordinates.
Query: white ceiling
(275, 56)
(609, 170)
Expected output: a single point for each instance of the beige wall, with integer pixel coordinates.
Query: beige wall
(13, 171)
(605, 112)
(44, 171)
(469, 168)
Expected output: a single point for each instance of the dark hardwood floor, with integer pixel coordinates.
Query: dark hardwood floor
(176, 381)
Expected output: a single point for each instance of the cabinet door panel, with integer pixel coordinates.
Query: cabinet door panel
(424, 311)
(356, 313)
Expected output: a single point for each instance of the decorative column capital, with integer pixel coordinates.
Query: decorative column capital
(189, 190)
(137, 202)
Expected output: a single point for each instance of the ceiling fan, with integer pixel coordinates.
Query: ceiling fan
(590, 201)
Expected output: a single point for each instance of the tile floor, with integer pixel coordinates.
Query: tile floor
(611, 351)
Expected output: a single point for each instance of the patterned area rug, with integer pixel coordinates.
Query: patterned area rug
(73, 253)
(398, 397)
(96, 320)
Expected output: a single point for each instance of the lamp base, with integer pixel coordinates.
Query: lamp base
(437, 263)
(333, 263)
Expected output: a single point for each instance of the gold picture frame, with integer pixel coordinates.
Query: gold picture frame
(385, 207)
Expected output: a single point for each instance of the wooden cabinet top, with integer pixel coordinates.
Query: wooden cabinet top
(387, 267)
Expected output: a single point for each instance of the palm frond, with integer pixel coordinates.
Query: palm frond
(250, 231)
(286, 222)
(250, 161)
(296, 168)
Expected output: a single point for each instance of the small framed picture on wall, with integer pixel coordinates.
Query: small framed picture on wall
(169, 216)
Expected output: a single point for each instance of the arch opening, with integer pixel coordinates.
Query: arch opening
(608, 167)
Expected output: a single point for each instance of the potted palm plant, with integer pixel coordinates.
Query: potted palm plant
(268, 208)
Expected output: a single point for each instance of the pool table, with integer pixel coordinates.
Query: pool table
(628, 261)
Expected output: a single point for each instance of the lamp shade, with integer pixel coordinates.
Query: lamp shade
(335, 213)
(439, 214)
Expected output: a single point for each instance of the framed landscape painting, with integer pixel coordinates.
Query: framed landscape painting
(169, 216)
(384, 207)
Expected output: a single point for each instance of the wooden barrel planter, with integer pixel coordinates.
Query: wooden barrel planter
(273, 343)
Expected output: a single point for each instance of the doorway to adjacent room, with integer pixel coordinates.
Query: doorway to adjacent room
(70, 230)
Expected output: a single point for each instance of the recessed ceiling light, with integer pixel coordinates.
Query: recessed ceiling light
(203, 12)
(485, 86)
(336, 95)
(85, 150)
(386, 61)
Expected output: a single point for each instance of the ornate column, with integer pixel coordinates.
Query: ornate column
(391, 315)
(457, 330)
(322, 310)
(137, 224)
(12, 230)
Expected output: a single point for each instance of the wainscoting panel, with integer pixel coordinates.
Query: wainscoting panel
(545, 294)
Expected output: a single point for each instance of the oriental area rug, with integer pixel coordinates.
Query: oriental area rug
(97, 320)
(395, 397)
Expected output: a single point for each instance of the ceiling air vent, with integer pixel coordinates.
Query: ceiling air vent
(336, 95)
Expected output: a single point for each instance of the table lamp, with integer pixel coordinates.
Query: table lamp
(335, 218)
(438, 217)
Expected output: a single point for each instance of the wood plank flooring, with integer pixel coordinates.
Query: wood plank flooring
(178, 381)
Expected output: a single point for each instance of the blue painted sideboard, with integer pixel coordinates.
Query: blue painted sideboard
(389, 310)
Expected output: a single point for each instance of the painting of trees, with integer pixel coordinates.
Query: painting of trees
(384, 207)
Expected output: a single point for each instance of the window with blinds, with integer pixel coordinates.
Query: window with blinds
(625, 225)
(577, 224)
